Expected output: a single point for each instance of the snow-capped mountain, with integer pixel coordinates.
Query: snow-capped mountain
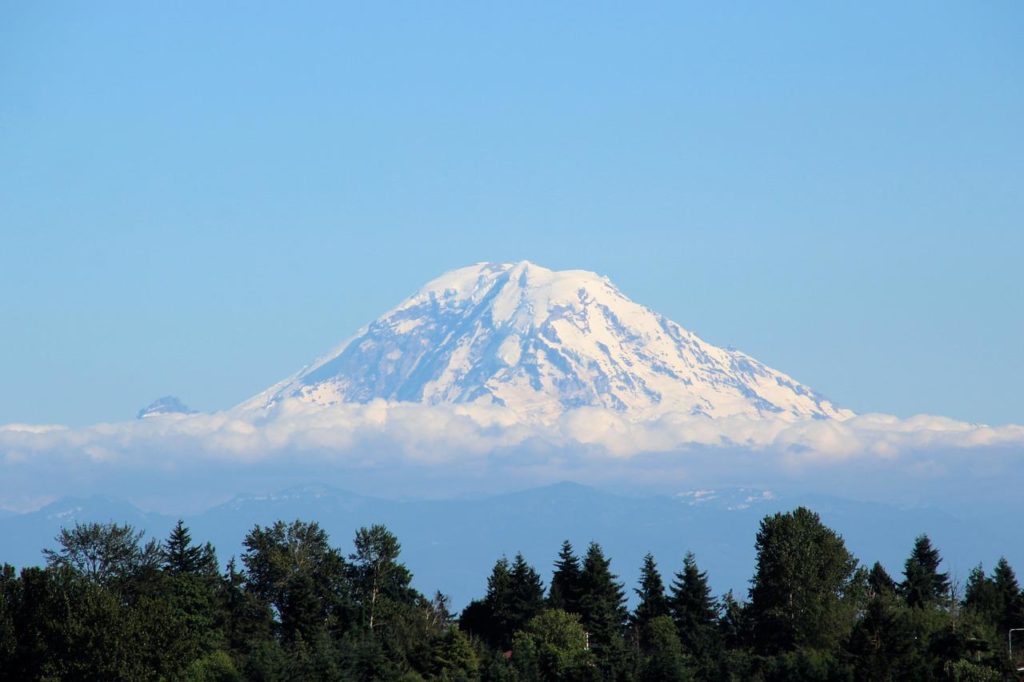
(169, 404)
(542, 342)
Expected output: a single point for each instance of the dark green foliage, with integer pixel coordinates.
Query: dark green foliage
(103, 552)
(552, 646)
(180, 557)
(515, 594)
(923, 585)
(565, 581)
(804, 572)
(664, 659)
(292, 569)
(111, 606)
(694, 610)
(880, 584)
(603, 612)
(653, 602)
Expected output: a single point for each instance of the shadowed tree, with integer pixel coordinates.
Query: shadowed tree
(803, 574)
(565, 581)
(103, 552)
(694, 609)
(923, 585)
(653, 602)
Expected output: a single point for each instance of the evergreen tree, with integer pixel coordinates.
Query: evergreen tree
(527, 594)
(565, 582)
(1009, 599)
(653, 602)
(803, 574)
(179, 556)
(733, 623)
(923, 585)
(880, 584)
(693, 608)
(603, 611)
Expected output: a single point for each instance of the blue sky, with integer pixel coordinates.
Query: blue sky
(198, 200)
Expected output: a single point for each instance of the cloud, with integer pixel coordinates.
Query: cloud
(419, 446)
(451, 433)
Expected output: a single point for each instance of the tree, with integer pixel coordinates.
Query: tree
(603, 610)
(515, 594)
(880, 584)
(923, 585)
(565, 582)
(103, 552)
(527, 593)
(694, 610)
(803, 574)
(180, 557)
(377, 571)
(293, 569)
(665, 661)
(552, 646)
(653, 602)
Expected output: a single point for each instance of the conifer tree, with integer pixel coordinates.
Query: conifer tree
(880, 584)
(603, 610)
(693, 608)
(653, 602)
(181, 557)
(565, 582)
(526, 598)
(1009, 599)
(923, 585)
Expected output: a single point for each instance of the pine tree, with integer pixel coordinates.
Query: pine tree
(603, 610)
(526, 598)
(923, 585)
(693, 608)
(1009, 599)
(880, 584)
(180, 557)
(565, 582)
(653, 602)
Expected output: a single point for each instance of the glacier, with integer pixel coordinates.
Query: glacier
(540, 343)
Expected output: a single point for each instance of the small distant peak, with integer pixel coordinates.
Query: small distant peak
(169, 404)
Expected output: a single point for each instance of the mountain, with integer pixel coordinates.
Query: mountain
(451, 545)
(542, 342)
(166, 405)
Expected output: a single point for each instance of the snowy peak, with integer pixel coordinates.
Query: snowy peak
(169, 404)
(541, 342)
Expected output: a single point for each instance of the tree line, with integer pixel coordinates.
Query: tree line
(109, 605)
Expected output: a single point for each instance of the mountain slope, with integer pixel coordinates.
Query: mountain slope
(542, 342)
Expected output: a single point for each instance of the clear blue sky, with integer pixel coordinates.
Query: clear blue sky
(199, 198)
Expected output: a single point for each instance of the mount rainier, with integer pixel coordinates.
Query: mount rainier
(541, 342)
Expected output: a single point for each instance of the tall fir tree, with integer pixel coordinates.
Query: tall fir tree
(181, 557)
(565, 582)
(603, 611)
(526, 598)
(1009, 598)
(653, 602)
(694, 610)
(923, 584)
(880, 584)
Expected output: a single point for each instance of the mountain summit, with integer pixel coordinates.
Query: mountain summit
(541, 342)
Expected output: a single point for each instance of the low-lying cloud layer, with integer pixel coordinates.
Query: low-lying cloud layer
(486, 443)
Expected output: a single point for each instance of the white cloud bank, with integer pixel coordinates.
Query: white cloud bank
(437, 435)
